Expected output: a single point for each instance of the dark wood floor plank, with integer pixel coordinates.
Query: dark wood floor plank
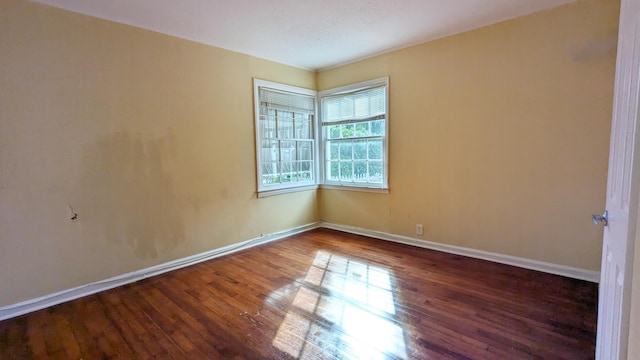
(128, 324)
(15, 339)
(321, 295)
(35, 326)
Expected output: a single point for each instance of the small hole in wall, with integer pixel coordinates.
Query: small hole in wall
(74, 215)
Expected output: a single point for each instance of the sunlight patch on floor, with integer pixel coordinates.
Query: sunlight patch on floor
(342, 307)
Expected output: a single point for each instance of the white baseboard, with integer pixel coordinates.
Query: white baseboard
(571, 272)
(46, 301)
(31, 305)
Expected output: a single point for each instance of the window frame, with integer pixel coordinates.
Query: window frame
(323, 138)
(264, 190)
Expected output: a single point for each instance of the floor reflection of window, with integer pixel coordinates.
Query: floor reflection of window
(343, 307)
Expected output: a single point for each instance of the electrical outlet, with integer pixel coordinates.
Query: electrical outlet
(419, 229)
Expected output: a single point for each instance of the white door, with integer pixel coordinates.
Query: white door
(622, 193)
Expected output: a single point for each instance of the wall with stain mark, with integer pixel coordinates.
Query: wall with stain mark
(149, 139)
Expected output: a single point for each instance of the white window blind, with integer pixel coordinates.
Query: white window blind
(363, 105)
(287, 101)
(354, 128)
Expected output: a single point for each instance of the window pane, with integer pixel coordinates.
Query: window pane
(345, 171)
(360, 171)
(305, 165)
(333, 150)
(360, 149)
(362, 129)
(270, 172)
(302, 127)
(375, 149)
(304, 150)
(377, 127)
(289, 170)
(268, 123)
(345, 150)
(270, 128)
(270, 150)
(375, 171)
(287, 150)
(334, 132)
(265, 127)
(334, 172)
(304, 170)
(295, 168)
(347, 130)
(285, 124)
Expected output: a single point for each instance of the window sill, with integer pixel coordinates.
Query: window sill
(355, 188)
(267, 193)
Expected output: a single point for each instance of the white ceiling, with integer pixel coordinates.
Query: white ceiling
(309, 34)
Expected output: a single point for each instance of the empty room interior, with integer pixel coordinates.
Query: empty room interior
(147, 211)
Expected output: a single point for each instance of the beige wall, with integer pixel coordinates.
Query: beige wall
(499, 142)
(149, 138)
(498, 137)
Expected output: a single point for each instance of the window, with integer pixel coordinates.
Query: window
(285, 137)
(354, 122)
(352, 136)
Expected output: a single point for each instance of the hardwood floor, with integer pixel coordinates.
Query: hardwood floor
(321, 295)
